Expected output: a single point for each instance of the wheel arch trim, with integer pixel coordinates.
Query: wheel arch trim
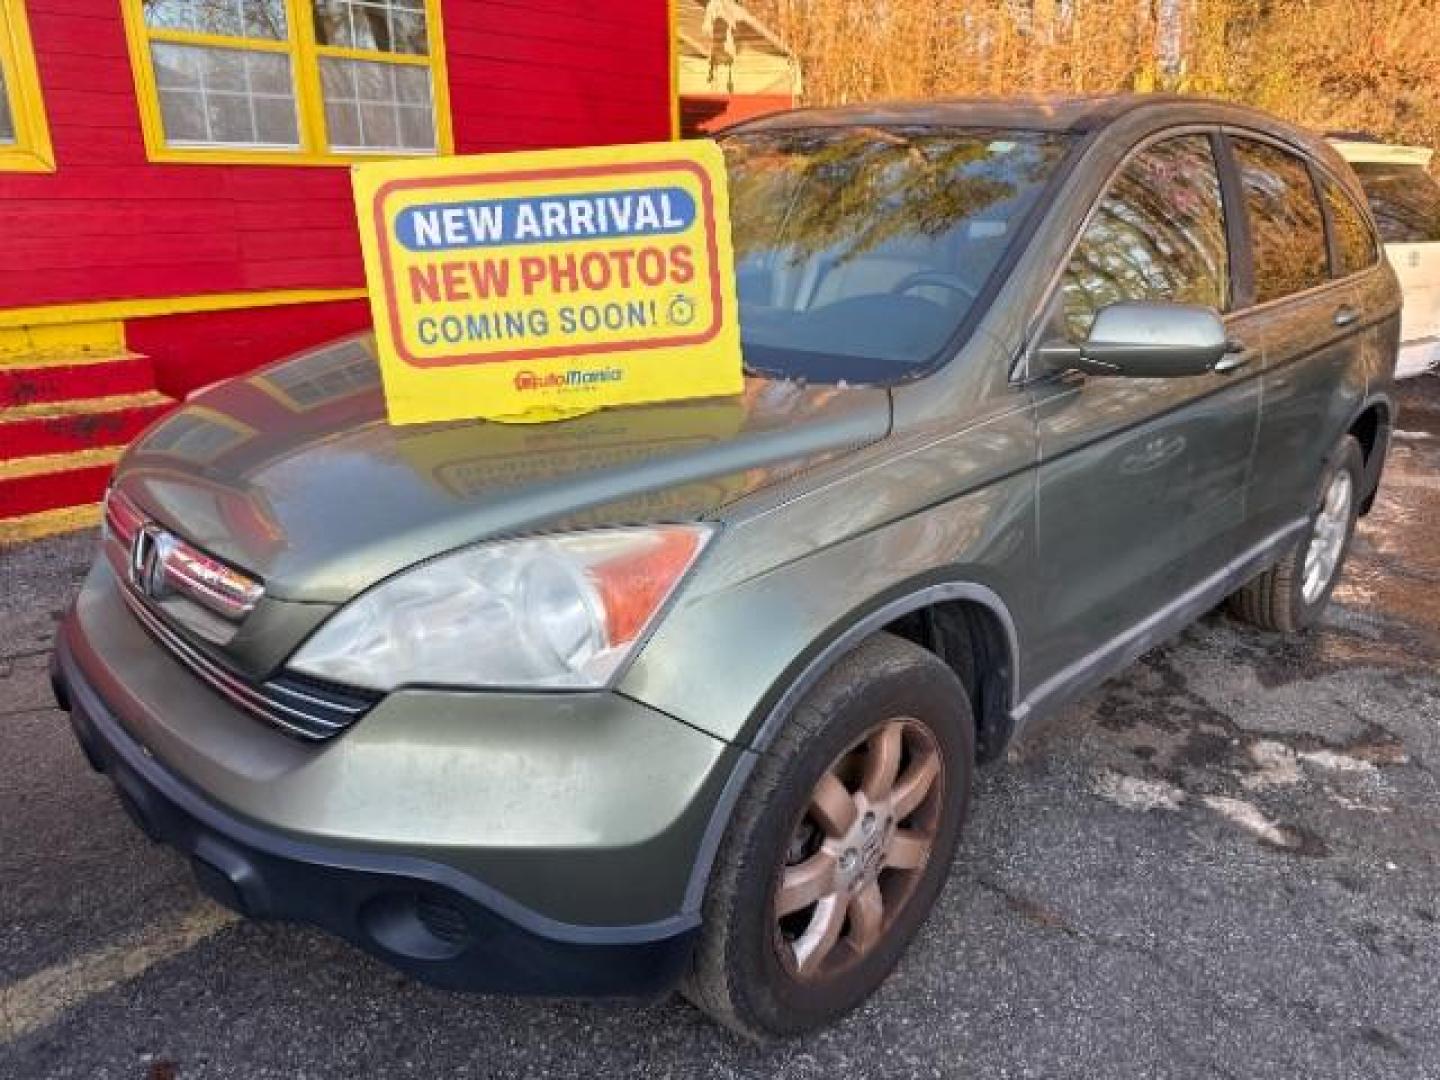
(1383, 403)
(1375, 399)
(838, 641)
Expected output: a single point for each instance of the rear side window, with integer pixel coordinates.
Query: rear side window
(1405, 201)
(1355, 247)
(1157, 234)
(1287, 233)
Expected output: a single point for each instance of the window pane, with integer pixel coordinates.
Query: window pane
(376, 106)
(233, 18)
(274, 121)
(1354, 242)
(176, 66)
(225, 97)
(223, 69)
(412, 86)
(230, 119)
(183, 115)
(393, 26)
(379, 124)
(342, 123)
(1287, 233)
(1405, 200)
(416, 130)
(7, 122)
(1158, 234)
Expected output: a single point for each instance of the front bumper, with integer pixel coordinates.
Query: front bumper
(428, 919)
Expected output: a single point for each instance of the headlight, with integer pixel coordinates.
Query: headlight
(552, 612)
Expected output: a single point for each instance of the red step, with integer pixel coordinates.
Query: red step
(37, 484)
(29, 383)
(63, 423)
(61, 427)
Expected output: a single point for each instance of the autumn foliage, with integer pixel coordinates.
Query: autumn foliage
(1347, 65)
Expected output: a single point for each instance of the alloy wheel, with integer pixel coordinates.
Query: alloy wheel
(1327, 540)
(859, 849)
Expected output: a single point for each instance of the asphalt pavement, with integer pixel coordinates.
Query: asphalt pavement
(1224, 863)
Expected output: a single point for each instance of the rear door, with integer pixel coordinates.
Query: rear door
(1142, 482)
(1302, 319)
(1406, 202)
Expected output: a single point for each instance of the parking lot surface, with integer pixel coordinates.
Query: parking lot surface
(1224, 863)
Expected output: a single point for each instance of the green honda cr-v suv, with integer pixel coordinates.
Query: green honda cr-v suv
(692, 694)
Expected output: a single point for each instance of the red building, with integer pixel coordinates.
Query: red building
(174, 193)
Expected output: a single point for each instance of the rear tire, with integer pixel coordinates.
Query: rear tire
(1292, 594)
(839, 845)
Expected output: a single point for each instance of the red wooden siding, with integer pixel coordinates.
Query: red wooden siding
(191, 351)
(109, 225)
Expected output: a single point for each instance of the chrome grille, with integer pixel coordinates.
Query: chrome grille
(161, 565)
(299, 706)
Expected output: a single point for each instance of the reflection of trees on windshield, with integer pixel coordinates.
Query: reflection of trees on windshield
(846, 192)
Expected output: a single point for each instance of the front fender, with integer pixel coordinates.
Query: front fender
(725, 656)
(737, 661)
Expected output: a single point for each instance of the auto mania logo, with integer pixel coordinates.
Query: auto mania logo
(573, 379)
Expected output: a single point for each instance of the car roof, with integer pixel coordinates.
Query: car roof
(1039, 112)
(1060, 113)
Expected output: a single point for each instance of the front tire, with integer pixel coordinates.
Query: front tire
(1292, 594)
(839, 846)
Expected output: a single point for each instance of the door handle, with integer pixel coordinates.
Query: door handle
(1345, 315)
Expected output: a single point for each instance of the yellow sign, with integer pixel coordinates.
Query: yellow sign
(534, 286)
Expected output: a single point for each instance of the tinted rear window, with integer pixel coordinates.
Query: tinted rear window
(1405, 201)
(1355, 248)
(1287, 232)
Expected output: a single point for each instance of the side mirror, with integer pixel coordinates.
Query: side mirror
(1144, 339)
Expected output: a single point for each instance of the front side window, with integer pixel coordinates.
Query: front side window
(860, 251)
(1355, 247)
(1405, 200)
(24, 133)
(354, 77)
(1287, 231)
(1157, 234)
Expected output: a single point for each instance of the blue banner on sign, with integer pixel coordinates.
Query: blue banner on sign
(545, 219)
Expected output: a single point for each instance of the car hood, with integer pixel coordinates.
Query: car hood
(293, 474)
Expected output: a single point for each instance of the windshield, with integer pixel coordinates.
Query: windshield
(860, 251)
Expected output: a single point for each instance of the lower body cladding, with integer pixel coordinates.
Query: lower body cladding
(627, 844)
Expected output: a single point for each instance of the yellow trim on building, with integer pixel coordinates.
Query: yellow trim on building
(73, 341)
(31, 151)
(48, 523)
(48, 410)
(101, 310)
(304, 53)
(50, 464)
